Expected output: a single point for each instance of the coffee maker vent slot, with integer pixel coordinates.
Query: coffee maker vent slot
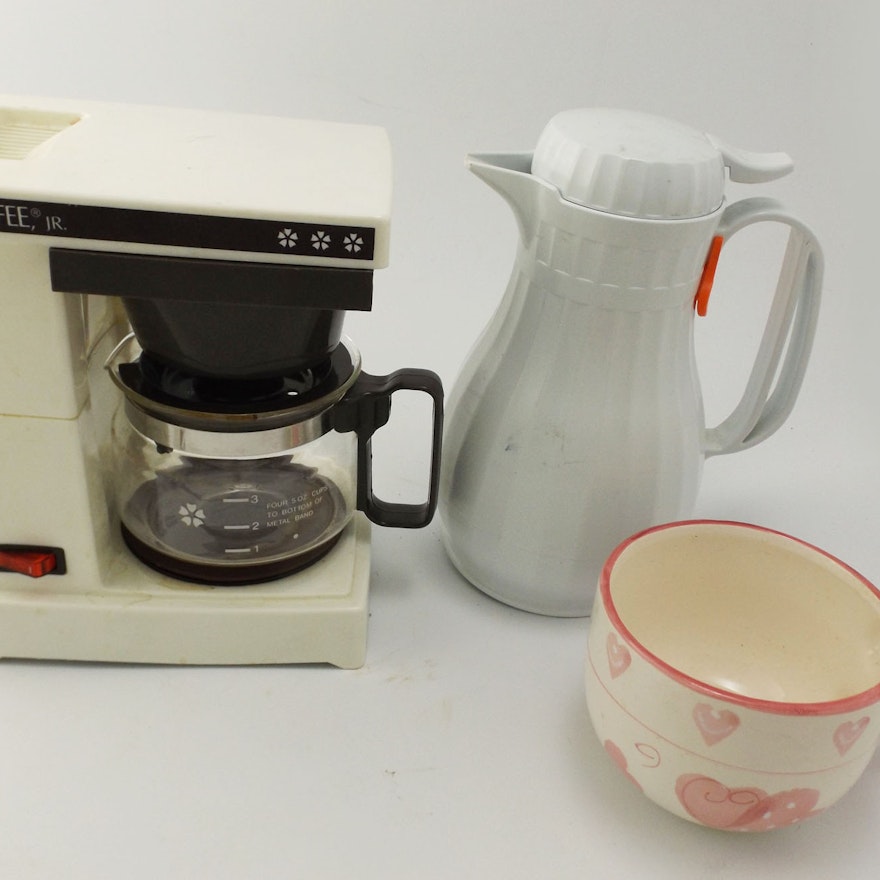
(22, 131)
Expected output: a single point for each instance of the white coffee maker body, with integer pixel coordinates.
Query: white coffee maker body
(199, 189)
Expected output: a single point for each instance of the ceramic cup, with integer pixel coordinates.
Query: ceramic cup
(733, 673)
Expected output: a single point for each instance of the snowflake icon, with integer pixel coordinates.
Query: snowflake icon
(321, 240)
(287, 238)
(191, 515)
(353, 242)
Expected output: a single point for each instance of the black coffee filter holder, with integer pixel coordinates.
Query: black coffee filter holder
(220, 318)
(365, 409)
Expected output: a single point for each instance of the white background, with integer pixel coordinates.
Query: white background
(462, 748)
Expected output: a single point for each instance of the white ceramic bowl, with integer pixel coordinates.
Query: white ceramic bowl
(733, 672)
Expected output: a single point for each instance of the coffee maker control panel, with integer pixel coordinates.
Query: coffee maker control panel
(187, 183)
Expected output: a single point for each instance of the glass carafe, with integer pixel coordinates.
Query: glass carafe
(233, 519)
(234, 492)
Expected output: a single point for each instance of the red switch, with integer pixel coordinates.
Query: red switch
(33, 562)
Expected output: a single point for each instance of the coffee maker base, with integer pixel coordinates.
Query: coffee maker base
(318, 615)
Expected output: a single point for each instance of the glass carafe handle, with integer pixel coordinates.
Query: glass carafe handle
(365, 409)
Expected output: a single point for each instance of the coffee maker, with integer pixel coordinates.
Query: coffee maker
(185, 430)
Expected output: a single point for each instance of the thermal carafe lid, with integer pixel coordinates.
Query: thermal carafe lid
(639, 165)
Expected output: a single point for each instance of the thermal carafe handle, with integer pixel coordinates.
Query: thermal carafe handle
(365, 409)
(791, 323)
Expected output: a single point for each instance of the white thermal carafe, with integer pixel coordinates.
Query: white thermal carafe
(577, 419)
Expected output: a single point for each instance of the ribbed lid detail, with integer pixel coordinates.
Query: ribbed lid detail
(22, 131)
(629, 163)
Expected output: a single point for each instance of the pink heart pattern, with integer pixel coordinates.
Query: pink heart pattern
(846, 735)
(619, 656)
(712, 803)
(714, 724)
(616, 754)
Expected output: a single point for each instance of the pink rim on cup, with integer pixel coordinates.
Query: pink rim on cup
(733, 672)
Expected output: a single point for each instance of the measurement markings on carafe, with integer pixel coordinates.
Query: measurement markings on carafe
(193, 512)
(249, 525)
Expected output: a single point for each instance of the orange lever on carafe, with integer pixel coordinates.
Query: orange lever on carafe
(704, 288)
